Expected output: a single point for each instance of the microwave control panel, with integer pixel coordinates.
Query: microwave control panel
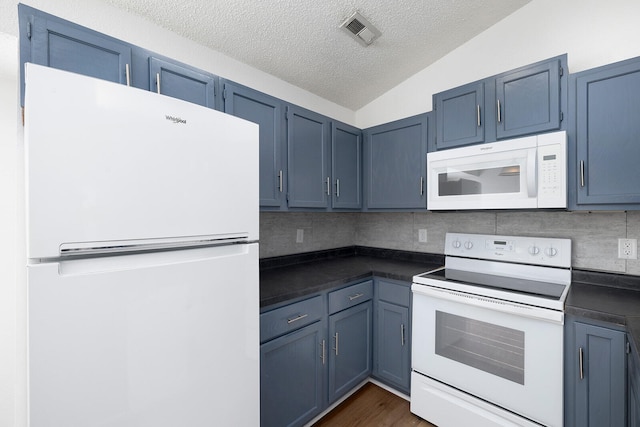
(552, 166)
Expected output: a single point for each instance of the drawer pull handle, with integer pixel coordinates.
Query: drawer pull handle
(356, 296)
(402, 335)
(295, 319)
(581, 360)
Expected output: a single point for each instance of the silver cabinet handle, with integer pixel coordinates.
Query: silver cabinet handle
(337, 187)
(280, 181)
(356, 296)
(127, 74)
(499, 112)
(421, 185)
(478, 114)
(581, 361)
(158, 82)
(295, 319)
(328, 186)
(402, 334)
(323, 351)
(581, 173)
(336, 347)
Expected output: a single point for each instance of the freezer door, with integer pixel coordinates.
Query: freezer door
(167, 339)
(108, 164)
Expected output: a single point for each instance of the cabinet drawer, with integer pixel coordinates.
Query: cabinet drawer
(396, 293)
(291, 317)
(350, 296)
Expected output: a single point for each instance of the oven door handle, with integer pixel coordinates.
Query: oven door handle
(494, 304)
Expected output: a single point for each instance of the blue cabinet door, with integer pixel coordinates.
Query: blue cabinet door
(633, 395)
(182, 82)
(309, 181)
(392, 344)
(528, 100)
(395, 163)
(350, 358)
(54, 42)
(291, 372)
(600, 382)
(460, 116)
(268, 113)
(608, 136)
(346, 166)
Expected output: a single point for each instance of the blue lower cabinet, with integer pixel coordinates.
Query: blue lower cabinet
(392, 334)
(595, 377)
(633, 386)
(392, 344)
(291, 377)
(350, 358)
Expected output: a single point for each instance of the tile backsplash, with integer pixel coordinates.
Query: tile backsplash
(594, 235)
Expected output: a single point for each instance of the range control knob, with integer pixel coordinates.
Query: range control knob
(534, 250)
(456, 244)
(468, 244)
(551, 252)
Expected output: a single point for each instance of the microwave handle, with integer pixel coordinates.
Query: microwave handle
(532, 172)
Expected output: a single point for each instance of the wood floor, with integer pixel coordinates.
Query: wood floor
(372, 406)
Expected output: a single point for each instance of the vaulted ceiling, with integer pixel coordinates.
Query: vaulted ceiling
(300, 41)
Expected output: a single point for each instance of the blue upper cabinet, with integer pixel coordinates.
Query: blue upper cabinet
(267, 112)
(460, 116)
(524, 101)
(395, 162)
(528, 100)
(54, 42)
(346, 166)
(179, 81)
(309, 180)
(605, 173)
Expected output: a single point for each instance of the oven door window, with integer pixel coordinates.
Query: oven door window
(491, 348)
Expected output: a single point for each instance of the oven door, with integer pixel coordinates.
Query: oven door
(504, 353)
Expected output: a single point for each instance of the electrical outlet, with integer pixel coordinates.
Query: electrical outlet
(299, 235)
(422, 235)
(627, 249)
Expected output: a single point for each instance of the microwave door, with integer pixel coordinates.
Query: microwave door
(489, 181)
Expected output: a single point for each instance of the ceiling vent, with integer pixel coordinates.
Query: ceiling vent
(360, 29)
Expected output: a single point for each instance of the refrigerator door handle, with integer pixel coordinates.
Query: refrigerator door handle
(92, 265)
(119, 246)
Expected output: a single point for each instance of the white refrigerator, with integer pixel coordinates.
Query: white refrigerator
(142, 231)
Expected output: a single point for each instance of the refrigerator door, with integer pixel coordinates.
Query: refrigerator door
(164, 339)
(108, 165)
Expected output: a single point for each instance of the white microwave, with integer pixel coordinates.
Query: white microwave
(523, 173)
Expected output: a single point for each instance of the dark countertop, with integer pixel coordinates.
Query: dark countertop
(287, 278)
(607, 297)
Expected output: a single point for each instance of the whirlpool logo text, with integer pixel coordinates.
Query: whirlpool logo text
(175, 119)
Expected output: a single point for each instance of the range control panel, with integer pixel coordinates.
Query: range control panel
(545, 251)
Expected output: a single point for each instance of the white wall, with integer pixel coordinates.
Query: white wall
(591, 32)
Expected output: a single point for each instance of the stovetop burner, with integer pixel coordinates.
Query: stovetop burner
(528, 270)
